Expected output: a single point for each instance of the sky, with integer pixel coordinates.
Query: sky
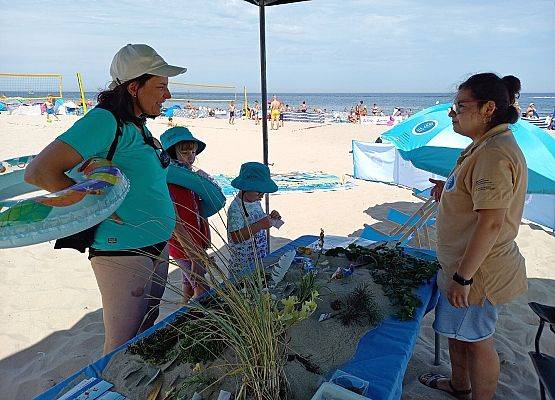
(367, 46)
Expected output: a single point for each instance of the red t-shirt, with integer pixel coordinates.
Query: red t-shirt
(188, 205)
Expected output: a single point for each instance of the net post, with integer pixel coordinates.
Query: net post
(81, 90)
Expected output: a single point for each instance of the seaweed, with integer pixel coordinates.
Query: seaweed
(188, 339)
(398, 272)
(360, 308)
(157, 347)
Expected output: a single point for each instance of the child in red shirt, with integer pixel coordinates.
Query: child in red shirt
(191, 237)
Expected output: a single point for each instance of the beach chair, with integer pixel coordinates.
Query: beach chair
(415, 226)
(543, 363)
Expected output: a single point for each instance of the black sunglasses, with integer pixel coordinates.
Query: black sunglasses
(163, 156)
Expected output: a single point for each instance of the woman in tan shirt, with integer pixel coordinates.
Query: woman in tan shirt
(480, 208)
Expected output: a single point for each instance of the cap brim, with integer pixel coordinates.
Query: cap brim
(167, 71)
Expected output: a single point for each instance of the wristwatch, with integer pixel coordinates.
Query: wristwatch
(461, 281)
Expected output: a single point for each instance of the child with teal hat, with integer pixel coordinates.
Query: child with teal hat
(191, 236)
(246, 220)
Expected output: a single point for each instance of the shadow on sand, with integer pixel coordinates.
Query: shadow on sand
(35, 369)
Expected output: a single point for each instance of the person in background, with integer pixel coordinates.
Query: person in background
(281, 111)
(531, 111)
(255, 112)
(231, 110)
(479, 213)
(49, 104)
(303, 107)
(361, 110)
(352, 116)
(275, 106)
(375, 109)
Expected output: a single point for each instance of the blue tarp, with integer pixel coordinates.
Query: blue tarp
(381, 357)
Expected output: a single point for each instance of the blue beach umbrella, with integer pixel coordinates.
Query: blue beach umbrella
(428, 141)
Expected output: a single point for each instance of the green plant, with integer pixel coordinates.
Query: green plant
(246, 318)
(295, 310)
(306, 286)
(398, 272)
(360, 308)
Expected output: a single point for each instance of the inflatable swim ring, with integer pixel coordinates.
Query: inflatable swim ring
(213, 200)
(54, 215)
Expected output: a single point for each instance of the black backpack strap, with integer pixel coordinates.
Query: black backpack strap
(119, 132)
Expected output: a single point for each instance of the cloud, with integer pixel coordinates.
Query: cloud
(424, 46)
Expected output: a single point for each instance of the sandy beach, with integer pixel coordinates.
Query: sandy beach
(51, 316)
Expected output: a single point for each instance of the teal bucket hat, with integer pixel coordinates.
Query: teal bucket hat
(254, 177)
(179, 134)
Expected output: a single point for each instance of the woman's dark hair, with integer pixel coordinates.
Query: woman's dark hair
(502, 91)
(120, 102)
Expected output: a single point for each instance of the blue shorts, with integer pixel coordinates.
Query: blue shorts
(50, 111)
(471, 324)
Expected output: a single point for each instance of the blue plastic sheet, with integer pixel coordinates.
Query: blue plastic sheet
(381, 357)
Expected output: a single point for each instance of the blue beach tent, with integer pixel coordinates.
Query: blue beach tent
(428, 141)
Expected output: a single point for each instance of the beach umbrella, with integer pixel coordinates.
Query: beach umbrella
(262, 4)
(428, 141)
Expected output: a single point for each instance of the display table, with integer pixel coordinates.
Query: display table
(381, 357)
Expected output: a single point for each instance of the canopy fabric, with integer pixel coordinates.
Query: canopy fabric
(428, 141)
(273, 2)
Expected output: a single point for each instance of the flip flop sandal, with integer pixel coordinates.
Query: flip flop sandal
(430, 379)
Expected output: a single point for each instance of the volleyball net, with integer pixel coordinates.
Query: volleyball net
(209, 95)
(30, 86)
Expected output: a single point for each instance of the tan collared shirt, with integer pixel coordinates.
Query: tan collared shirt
(491, 173)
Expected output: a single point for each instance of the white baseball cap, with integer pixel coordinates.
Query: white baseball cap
(134, 60)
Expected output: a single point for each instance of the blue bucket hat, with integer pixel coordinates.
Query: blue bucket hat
(254, 177)
(180, 134)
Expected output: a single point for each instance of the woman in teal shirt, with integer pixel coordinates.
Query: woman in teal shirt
(129, 255)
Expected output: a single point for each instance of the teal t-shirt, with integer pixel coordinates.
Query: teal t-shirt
(147, 211)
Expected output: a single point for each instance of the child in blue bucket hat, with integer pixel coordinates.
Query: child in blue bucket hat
(246, 221)
(191, 237)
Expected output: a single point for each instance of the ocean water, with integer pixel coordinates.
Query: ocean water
(545, 102)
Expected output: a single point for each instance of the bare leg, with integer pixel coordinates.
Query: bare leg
(483, 363)
(460, 374)
(123, 283)
(157, 288)
(188, 291)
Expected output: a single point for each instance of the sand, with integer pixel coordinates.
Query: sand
(51, 310)
(326, 344)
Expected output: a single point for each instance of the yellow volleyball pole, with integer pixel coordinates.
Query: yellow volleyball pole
(246, 103)
(83, 101)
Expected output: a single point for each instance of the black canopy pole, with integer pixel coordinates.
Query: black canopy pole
(264, 91)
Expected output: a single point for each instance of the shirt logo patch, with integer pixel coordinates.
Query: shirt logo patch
(450, 183)
(112, 240)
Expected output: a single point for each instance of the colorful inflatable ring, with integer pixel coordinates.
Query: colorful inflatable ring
(213, 200)
(55, 215)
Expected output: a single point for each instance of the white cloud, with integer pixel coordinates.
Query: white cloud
(339, 43)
